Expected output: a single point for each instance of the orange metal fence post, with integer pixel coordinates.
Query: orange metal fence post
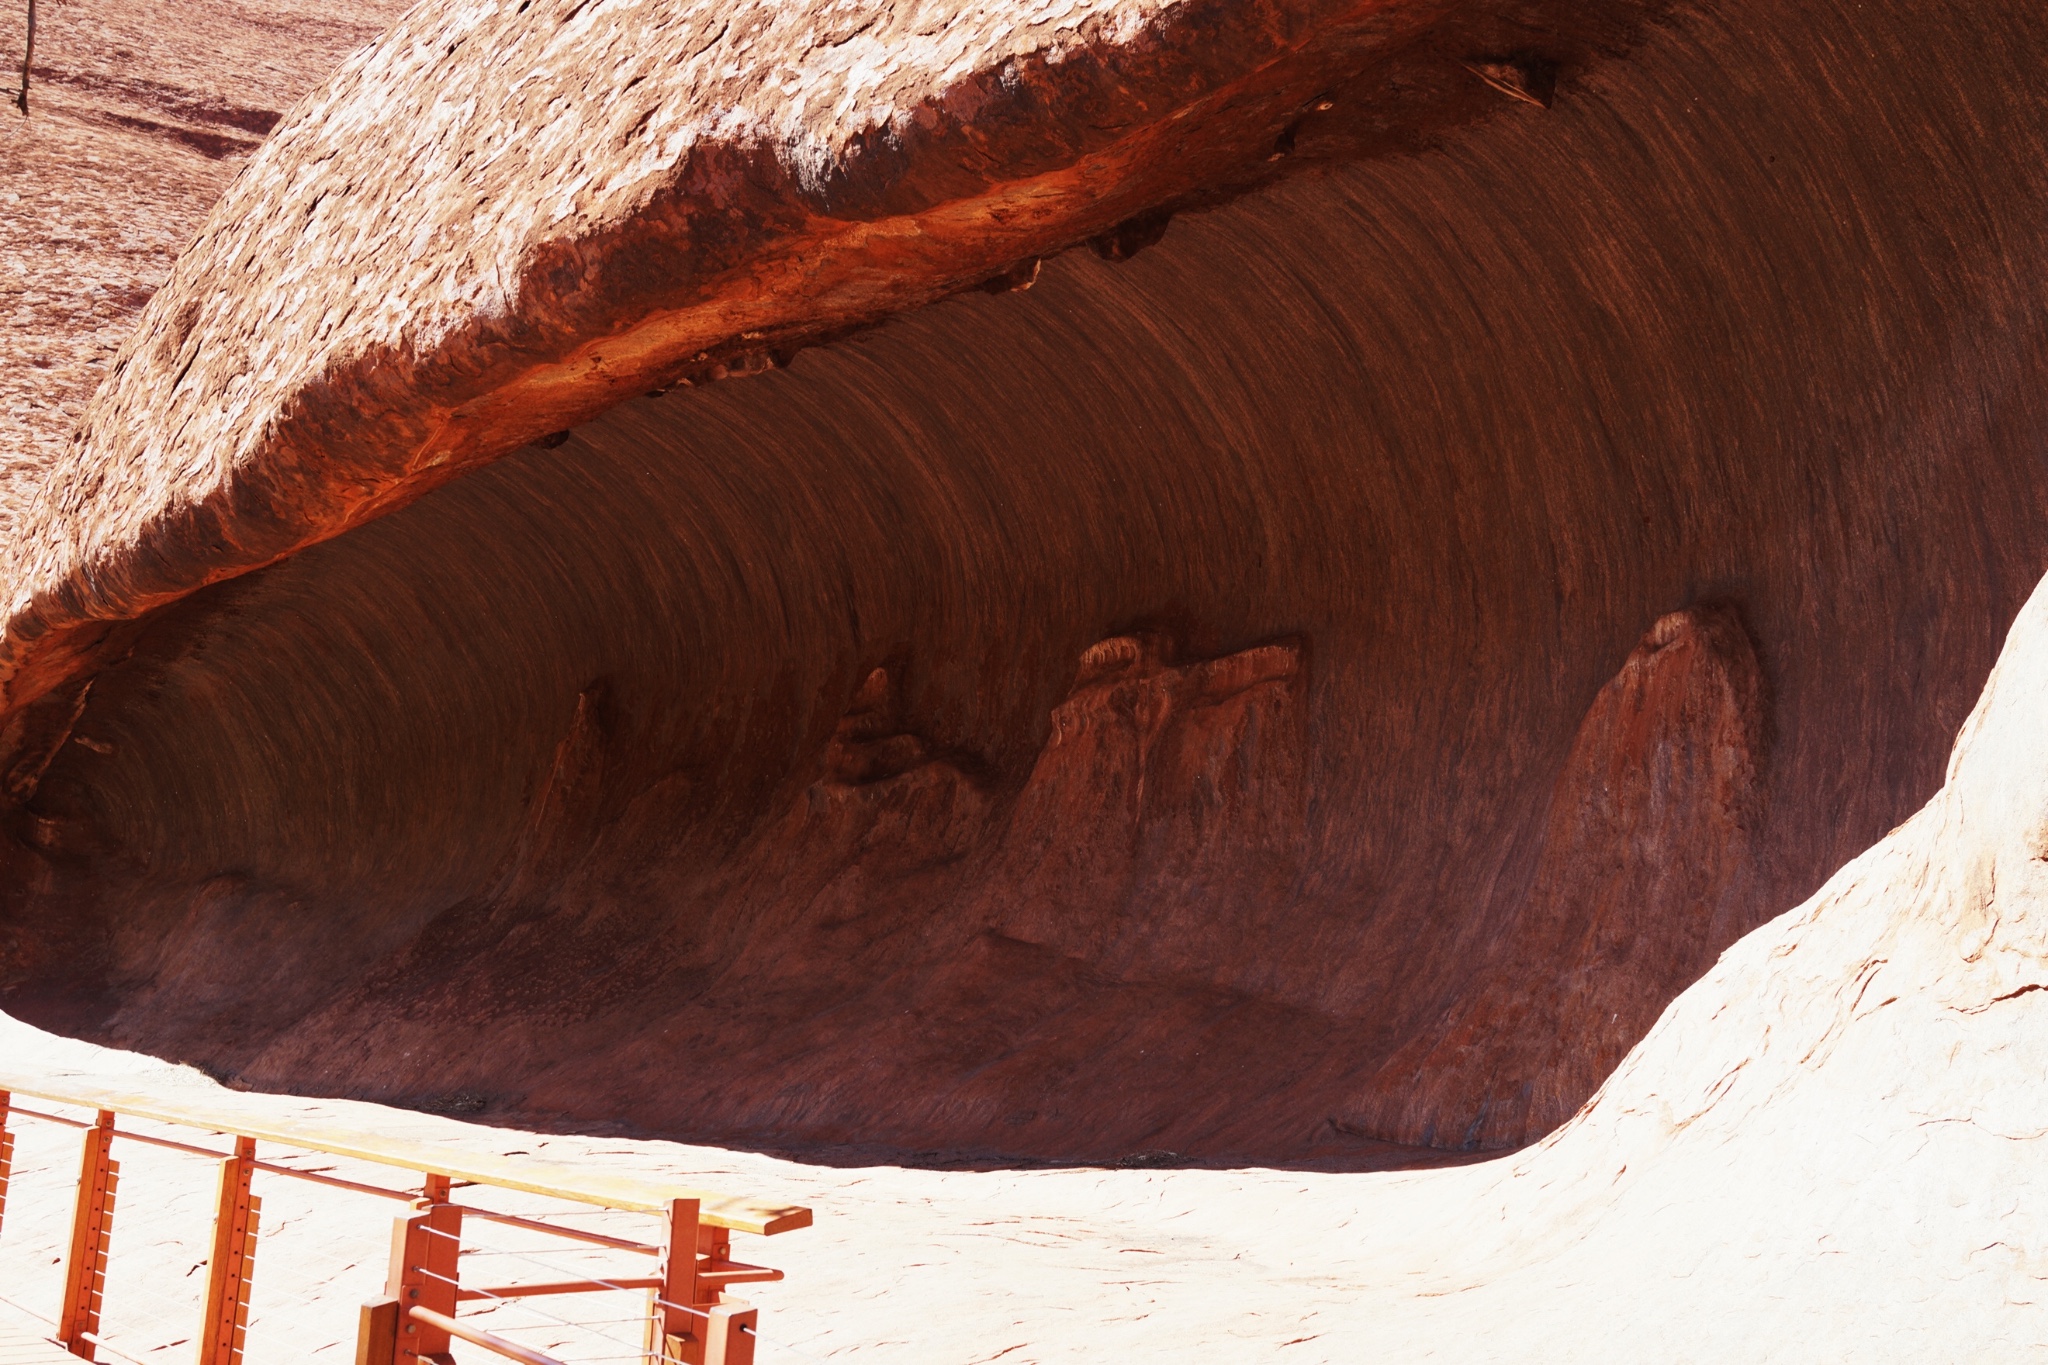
(729, 1323)
(674, 1333)
(729, 1335)
(85, 1275)
(6, 1154)
(424, 1271)
(377, 1333)
(226, 1324)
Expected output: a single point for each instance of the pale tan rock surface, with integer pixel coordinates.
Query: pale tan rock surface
(1833, 1146)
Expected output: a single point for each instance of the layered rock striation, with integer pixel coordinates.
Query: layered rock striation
(1510, 501)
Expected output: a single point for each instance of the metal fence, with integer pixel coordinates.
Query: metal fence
(139, 1231)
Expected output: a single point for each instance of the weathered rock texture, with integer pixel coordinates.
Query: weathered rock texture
(1648, 867)
(1830, 1146)
(1188, 703)
(140, 111)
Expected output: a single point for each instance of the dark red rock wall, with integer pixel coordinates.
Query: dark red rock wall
(1275, 693)
(1651, 862)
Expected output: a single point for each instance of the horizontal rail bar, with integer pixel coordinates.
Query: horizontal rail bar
(490, 1341)
(575, 1234)
(317, 1178)
(722, 1273)
(526, 1291)
(531, 1176)
(129, 1134)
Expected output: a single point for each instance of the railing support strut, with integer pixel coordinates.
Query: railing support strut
(673, 1334)
(6, 1154)
(236, 1211)
(85, 1274)
(425, 1251)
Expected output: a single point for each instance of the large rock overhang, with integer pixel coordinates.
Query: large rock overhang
(1319, 669)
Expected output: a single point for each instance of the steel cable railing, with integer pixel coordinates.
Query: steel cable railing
(576, 1338)
(146, 1314)
(321, 1255)
(425, 1283)
(554, 1264)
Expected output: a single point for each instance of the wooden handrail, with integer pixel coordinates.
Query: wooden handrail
(485, 1168)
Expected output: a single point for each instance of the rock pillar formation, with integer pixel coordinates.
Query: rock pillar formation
(1648, 869)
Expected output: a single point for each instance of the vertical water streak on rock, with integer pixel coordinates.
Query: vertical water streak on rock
(561, 822)
(1647, 871)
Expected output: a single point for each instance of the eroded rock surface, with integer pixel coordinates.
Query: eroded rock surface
(1831, 1144)
(625, 197)
(1648, 869)
(1270, 688)
(140, 113)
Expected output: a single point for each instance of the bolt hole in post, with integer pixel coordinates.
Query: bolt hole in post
(463, 1276)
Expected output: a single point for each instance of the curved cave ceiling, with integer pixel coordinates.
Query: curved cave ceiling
(1325, 680)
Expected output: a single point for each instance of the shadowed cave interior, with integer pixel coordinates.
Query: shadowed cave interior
(1324, 682)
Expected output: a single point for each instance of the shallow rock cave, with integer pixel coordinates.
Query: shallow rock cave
(1305, 688)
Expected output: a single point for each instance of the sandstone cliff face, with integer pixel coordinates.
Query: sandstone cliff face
(1830, 1145)
(1198, 701)
(631, 197)
(1161, 829)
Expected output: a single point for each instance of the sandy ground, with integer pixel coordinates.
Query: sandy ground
(1855, 1242)
(901, 1265)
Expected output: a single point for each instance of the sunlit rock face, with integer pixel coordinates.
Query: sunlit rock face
(1321, 676)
